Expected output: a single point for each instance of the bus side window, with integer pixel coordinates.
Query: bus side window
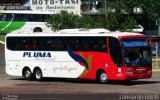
(35, 45)
(95, 47)
(77, 45)
(50, 45)
(22, 43)
(61, 44)
(31, 44)
(104, 47)
(99, 44)
(11, 43)
(28, 47)
(87, 44)
(19, 43)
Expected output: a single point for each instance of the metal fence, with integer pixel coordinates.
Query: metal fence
(155, 48)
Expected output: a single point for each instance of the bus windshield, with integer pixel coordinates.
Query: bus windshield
(136, 52)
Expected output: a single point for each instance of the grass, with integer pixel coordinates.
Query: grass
(2, 38)
(154, 62)
(12, 27)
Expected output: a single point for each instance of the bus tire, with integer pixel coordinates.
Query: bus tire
(38, 74)
(101, 77)
(27, 74)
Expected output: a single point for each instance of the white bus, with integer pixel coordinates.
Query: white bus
(90, 54)
(20, 21)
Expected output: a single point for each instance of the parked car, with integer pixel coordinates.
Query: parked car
(136, 28)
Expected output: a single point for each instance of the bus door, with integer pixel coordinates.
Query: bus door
(115, 54)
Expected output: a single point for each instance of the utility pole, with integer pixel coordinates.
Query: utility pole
(106, 13)
(159, 26)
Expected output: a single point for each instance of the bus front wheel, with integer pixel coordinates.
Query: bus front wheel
(38, 74)
(101, 77)
(27, 74)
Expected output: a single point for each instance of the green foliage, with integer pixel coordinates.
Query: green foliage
(65, 20)
(114, 19)
(150, 8)
(113, 23)
(62, 20)
(116, 9)
(12, 26)
(128, 24)
(2, 38)
(119, 23)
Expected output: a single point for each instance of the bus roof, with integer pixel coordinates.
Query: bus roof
(26, 12)
(112, 34)
(83, 31)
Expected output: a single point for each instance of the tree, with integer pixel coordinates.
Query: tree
(65, 20)
(150, 8)
(118, 8)
(115, 15)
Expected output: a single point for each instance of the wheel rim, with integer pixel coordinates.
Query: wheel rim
(103, 77)
(38, 75)
(27, 74)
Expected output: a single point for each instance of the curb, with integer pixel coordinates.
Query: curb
(2, 42)
(155, 70)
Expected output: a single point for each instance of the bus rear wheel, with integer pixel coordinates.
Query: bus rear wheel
(38, 74)
(27, 74)
(101, 77)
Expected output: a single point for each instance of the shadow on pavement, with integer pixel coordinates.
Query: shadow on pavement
(131, 83)
(87, 81)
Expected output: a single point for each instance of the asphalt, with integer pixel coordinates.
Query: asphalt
(2, 60)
